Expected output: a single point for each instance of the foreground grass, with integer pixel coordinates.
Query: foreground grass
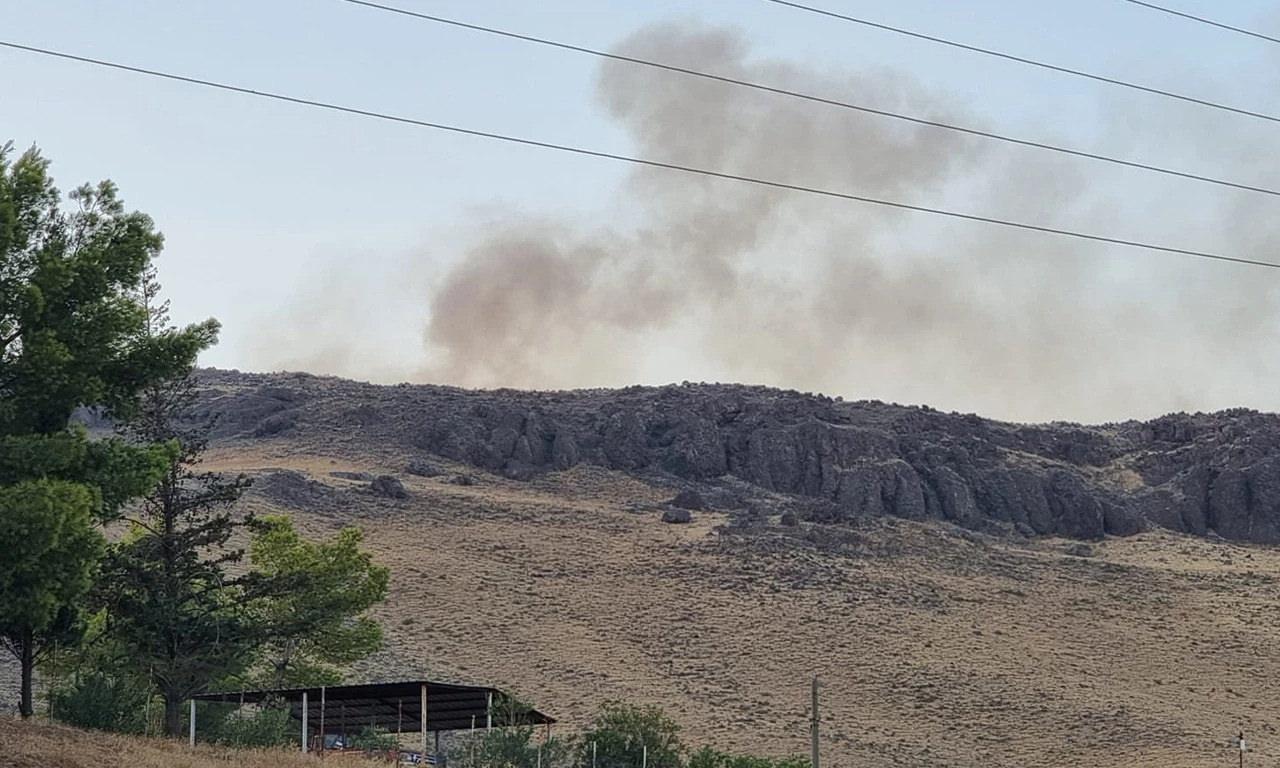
(38, 744)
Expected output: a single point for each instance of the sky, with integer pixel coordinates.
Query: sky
(341, 245)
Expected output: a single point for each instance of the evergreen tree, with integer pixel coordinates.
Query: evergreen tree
(72, 335)
(170, 601)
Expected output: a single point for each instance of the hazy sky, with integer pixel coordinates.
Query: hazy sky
(383, 252)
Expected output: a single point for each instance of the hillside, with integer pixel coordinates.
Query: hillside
(527, 551)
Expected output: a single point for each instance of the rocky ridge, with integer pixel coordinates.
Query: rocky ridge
(1204, 474)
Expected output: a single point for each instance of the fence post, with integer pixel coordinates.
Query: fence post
(305, 731)
(813, 727)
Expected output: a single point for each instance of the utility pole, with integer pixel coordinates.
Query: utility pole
(813, 725)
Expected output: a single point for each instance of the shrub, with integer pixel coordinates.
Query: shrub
(104, 702)
(372, 739)
(712, 758)
(245, 727)
(623, 732)
(513, 746)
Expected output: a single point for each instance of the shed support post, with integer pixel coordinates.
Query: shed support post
(304, 722)
(488, 710)
(424, 723)
(191, 727)
(322, 745)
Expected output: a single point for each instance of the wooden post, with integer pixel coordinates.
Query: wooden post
(644, 756)
(304, 722)
(192, 727)
(322, 744)
(488, 709)
(813, 727)
(593, 754)
(424, 723)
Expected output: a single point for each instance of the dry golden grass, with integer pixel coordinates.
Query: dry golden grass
(37, 744)
(935, 648)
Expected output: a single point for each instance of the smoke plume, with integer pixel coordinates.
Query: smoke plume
(707, 279)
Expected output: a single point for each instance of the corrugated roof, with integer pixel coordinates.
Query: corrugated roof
(394, 706)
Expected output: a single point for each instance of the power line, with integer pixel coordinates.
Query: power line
(816, 99)
(1031, 62)
(639, 160)
(1203, 20)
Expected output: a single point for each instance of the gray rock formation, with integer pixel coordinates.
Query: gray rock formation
(1198, 473)
(688, 499)
(389, 486)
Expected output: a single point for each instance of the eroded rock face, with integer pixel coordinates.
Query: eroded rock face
(1200, 473)
(389, 486)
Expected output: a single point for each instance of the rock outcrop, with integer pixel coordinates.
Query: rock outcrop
(389, 486)
(1202, 473)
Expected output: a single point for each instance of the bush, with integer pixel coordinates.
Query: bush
(712, 758)
(512, 746)
(103, 702)
(244, 727)
(374, 740)
(622, 733)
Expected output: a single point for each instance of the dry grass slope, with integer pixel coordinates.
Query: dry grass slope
(936, 647)
(42, 745)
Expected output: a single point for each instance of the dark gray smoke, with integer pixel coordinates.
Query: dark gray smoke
(717, 280)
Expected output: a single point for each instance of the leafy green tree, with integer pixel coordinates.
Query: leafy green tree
(315, 622)
(622, 733)
(72, 334)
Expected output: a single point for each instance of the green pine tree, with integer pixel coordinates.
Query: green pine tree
(73, 334)
(169, 598)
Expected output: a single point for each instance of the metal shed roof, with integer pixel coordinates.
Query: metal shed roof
(395, 706)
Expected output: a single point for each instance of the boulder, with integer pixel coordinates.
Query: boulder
(678, 516)
(389, 486)
(422, 468)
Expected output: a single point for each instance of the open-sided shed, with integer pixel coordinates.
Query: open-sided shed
(420, 706)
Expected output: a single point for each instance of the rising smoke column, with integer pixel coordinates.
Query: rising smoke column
(720, 280)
